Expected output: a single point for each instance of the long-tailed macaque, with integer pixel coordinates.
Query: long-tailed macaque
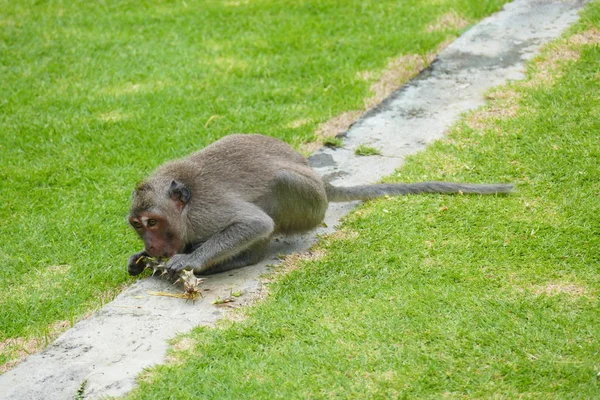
(218, 208)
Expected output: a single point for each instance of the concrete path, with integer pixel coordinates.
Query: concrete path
(109, 349)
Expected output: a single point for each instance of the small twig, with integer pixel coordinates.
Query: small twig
(166, 294)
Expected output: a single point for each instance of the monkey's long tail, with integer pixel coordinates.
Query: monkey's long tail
(365, 192)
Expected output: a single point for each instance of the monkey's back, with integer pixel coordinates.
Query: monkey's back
(248, 151)
(241, 165)
(247, 161)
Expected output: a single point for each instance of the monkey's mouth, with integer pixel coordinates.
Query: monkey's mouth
(161, 254)
(169, 253)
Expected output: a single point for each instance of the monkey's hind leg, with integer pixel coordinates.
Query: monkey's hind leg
(252, 255)
(300, 201)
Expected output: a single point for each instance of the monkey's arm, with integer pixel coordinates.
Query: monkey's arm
(246, 228)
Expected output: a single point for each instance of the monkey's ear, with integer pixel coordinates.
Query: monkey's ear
(179, 193)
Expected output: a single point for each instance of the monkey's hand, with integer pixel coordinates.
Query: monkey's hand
(136, 263)
(178, 263)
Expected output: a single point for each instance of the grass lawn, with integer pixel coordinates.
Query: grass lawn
(442, 296)
(94, 95)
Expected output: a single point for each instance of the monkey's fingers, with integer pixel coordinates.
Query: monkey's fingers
(136, 263)
(173, 275)
(176, 264)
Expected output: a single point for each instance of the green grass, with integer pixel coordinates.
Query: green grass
(94, 95)
(364, 150)
(441, 296)
(333, 142)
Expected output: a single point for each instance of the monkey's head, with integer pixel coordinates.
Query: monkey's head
(156, 215)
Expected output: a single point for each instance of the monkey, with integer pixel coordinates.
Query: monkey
(218, 208)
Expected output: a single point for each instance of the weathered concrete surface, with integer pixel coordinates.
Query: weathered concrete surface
(489, 54)
(113, 346)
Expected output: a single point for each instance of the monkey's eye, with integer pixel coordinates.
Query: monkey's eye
(136, 225)
(152, 222)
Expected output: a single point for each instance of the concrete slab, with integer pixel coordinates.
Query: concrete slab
(130, 333)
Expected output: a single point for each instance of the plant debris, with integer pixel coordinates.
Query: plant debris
(219, 300)
(191, 283)
(228, 299)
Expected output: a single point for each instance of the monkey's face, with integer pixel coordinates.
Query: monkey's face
(156, 216)
(159, 236)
